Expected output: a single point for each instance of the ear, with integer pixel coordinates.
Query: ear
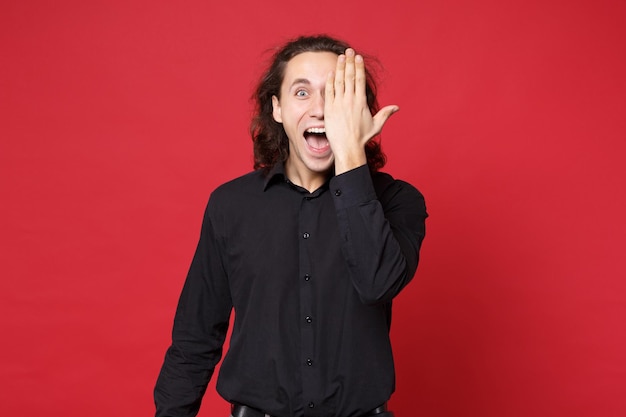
(276, 112)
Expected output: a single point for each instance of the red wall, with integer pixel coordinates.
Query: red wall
(118, 118)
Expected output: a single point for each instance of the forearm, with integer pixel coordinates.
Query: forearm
(181, 385)
(381, 240)
(191, 359)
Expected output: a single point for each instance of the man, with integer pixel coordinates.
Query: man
(309, 250)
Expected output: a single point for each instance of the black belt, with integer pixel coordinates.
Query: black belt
(238, 410)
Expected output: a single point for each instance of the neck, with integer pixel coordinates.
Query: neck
(308, 180)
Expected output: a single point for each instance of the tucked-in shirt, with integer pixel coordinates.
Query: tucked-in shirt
(310, 278)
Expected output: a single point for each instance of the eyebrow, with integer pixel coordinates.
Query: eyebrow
(299, 81)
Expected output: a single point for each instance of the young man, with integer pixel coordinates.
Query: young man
(309, 250)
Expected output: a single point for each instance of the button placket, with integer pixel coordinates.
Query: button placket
(307, 331)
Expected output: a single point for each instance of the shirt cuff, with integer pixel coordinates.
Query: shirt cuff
(352, 188)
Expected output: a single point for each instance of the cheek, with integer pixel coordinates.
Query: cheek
(292, 115)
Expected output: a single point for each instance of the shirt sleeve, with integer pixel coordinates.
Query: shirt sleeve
(381, 228)
(200, 327)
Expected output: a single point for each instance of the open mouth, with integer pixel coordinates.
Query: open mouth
(316, 139)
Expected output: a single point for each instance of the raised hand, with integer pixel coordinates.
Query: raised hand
(348, 120)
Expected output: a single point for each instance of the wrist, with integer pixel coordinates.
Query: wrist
(345, 162)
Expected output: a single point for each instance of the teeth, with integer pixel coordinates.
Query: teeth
(316, 130)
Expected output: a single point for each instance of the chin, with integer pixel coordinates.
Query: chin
(321, 167)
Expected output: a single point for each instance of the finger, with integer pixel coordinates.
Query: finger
(339, 75)
(360, 80)
(329, 91)
(349, 71)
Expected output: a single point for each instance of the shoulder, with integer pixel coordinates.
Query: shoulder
(236, 191)
(387, 186)
(398, 196)
(252, 181)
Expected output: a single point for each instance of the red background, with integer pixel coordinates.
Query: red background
(118, 118)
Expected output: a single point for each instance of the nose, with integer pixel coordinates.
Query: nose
(317, 106)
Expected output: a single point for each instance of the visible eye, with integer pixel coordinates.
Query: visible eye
(301, 93)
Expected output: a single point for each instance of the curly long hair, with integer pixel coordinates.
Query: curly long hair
(271, 144)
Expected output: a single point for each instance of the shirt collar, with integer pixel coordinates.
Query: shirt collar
(276, 173)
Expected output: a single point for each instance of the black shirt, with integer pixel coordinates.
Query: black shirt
(310, 277)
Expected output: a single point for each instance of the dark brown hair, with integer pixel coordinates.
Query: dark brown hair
(271, 144)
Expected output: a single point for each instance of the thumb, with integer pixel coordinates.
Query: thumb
(381, 117)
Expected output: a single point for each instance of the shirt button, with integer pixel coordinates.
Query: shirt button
(306, 235)
(307, 277)
(337, 193)
(311, 404)
(308, 319)
(309, 362)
